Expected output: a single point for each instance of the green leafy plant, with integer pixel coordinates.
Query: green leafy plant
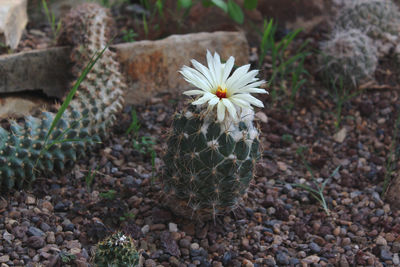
(316, 189)
(282, 63)
(287, 138)
(110, 194)
(55, 27)
(127, 216)
(340, 94)
(391, 157)
(129, 36)
(135, 125)
(230, 7)
(66, 257)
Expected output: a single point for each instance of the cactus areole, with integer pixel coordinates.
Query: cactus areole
(213, 145)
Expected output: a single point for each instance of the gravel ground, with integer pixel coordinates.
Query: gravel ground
(58, 220)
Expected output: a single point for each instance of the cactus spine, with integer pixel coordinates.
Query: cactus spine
(349, 55)
(379, 19)
(116, 250)
(87, 117)
(376, 18)
(209, 165)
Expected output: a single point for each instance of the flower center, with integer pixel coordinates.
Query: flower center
(221, 93)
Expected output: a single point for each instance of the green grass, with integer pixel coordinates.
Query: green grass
(60, 138)
(143, 144)
(51, 19)
(392, 156)
(284, 65)
(110, 194)
(316, 189)
(89, 178)
(340, 95)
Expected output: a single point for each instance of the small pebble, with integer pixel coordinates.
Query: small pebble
(173, 227)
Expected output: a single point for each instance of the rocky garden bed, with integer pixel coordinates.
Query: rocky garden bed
(323, 192)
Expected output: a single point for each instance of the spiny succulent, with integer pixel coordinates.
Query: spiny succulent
(349, 55)
(24, 151)
(379, 19)
(116, 250)
(213, 145)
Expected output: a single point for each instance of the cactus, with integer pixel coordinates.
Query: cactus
(23, 151)
(349, 55)
(212, 153)
(209, 165)
(376, 18)
(379, 19)
(115, 251)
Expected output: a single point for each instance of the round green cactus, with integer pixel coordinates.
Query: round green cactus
(116, 250)
(26, 149)
(349, 55)
(209, 164)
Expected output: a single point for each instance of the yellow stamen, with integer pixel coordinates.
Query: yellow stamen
(221, 93)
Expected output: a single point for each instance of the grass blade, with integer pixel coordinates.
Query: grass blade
(71, 94)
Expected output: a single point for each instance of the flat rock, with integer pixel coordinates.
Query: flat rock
(13, 19)
(151, 67)
(45, 70)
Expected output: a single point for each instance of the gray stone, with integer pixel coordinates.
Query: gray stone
(150, 263)
(386, 254)
(314, 247)
(13, 19)
(4, 258)
(46, 70)
(282, 258)
(36, 242)
(33, 231)
(151, 67)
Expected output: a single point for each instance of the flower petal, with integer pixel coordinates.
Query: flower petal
(220, 111)
(205, 71)
(206, 97)
(231, 109)
(237, 75)
(227, 69)
(194, 92)
(250, 99)
(239, 102)
(214, 101)
(211, 67)
(194, 77)
(243, 81)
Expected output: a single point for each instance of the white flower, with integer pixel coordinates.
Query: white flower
(217, 88)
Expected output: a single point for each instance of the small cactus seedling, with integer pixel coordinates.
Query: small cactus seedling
(349, 55)
(116, 250)
(213, 148)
